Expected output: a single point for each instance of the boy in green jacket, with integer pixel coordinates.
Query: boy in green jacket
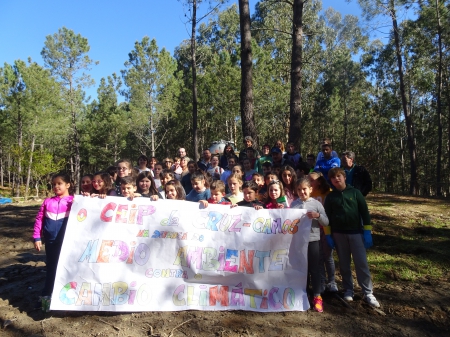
(346, 208)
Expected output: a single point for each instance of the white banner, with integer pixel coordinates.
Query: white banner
(170, 255)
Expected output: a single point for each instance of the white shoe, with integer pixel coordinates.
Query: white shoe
(348, 295)
(371, 300)
(332, 287)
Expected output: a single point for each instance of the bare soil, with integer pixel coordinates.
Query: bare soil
(408, 308)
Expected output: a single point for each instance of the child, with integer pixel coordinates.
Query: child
(128, 188)
(146, 186)
(200, 190)
(267, 179)
(102, 185)
(317, 213)
(157, 174)
(292, 155)
(217, 195)
(346, 207)
(166, 175)
(289, 178)
(176, 168)
(231, 162)
(142, 163)
(320, 189)
(265, 158)
(266, 168)
(86, 183)
(112, 170)
(251, 157)
(234, 185)
(250, 192)
(215, 170)
(152, 163)
(174, 191)
(237, 169)
(258, 179)
(50, 225)
(276, 197)
(186, 180)
(124, 169)
(248, 171)
(167, 163)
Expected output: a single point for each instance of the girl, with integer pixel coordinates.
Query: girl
(266, 157)
(157, 174)
(316, 212)
(174, 190)
(176, 167)
(124, 169)
(248, 171)
(86, 184)
(200, 188)
(102, 186)
(142, 163)
(50, 225)
(320, 191)
(234, 182)
(215, 170)
(166, 176)
(184, 167)
(279, 144)
(227, 153)
(275, 195)
(152, 164)
(167, 163)
(146, 186)
(237, 169)
(288, 176)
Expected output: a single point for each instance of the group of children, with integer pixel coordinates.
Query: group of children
(342, 208)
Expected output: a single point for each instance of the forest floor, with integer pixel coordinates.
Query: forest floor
(409, 264)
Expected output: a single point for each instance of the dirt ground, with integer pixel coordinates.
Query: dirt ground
(407, 308)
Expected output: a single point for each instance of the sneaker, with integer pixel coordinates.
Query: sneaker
(318, 306)
(371, 300)
(332, 287)
(348, 295)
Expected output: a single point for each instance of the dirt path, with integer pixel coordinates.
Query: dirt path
(408, 308)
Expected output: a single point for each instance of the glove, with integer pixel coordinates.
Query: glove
(330, 241)
(367, 235)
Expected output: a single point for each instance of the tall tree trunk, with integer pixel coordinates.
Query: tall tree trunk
(27, 185)
(414, 183)
(247, 117)
(438, 101)
(194, 83)
(20, 144)
(295, 106)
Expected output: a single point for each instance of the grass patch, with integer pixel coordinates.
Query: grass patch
(411, 237)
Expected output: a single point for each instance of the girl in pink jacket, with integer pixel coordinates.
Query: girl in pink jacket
(50, 225)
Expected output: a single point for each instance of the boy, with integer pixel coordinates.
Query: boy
(251, 157)
(248, 171)
(292, 155)
(250, 190)
(345, 208)
(128, 187)
(266, 168)
(258, 179)
(217, 194)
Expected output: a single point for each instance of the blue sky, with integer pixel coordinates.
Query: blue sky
(111, 27)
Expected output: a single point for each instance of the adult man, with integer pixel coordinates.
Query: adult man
(182, 154)
(248, 141)
(277, 158)
(356, 175)
(333, 153)
(328, 161)
(205, 163)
